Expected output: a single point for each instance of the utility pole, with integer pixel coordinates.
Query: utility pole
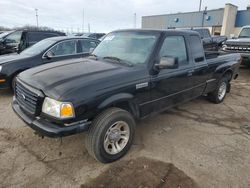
(203, 16)
(134, 20)
(82, 20)
(89, 27)
(36, 16)
(200, 5)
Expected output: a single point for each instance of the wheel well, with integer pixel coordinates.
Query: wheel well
(228, 74)
(128, 106)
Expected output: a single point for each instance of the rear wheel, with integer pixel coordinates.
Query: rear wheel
(219, 94)
(110, 135)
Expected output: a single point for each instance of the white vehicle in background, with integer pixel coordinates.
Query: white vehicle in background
(241, 45)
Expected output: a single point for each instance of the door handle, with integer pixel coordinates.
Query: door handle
(190, 73)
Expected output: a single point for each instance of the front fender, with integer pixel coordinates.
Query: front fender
(115, 99)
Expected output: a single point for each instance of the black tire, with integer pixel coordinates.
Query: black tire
(214, 96)
(13, 83)
(97, 131)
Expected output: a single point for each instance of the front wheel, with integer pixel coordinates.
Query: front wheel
(110, 135)
(219, 94)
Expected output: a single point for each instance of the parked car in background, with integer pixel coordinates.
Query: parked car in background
(17, 41)
(46, 51)
(130, 75)
(92, 35)
(240, 45)
(3, 34)
(210, 43)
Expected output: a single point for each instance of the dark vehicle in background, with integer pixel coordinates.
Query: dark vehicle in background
(210, 43)
(17, 41)
(46, 51)
(92, 35)
(240, 45)
(130, 75)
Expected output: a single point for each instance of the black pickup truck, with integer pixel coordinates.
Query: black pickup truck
(210, 43)
(131, 74)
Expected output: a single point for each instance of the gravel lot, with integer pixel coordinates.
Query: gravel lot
(199, 142)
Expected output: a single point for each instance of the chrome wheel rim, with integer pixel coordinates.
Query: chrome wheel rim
(222, 90)
(116, 137)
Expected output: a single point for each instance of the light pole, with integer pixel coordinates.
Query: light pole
(36, 16)
(203, 16)
(200, 5)
(82, 20)
(134, 20)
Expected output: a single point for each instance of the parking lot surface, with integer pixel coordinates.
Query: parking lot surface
(202, 144)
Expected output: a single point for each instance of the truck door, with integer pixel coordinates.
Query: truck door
(200, 72)
(172, 86)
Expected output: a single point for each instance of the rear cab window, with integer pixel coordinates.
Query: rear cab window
(197, 49)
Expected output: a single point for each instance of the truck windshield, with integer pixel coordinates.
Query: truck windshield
(133, 47)
(245, 33)
(38, 47)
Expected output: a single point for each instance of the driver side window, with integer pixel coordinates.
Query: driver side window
(174, 46)
(64, 48)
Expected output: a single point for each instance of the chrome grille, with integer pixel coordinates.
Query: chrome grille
(239, 48)
(27, 99)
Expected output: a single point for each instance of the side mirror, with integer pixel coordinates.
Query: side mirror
(91, 50)
(167, 63)
(49, 55)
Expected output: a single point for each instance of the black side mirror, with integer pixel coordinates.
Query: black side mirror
(167, 63)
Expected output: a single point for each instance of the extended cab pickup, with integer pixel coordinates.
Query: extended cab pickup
(129, 76)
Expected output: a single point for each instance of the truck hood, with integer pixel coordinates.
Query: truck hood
(61, 78)
(11, 57)
(238, 41)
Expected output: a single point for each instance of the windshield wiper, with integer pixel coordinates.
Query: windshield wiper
(118, 60)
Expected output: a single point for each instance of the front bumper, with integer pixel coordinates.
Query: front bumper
(46, 128)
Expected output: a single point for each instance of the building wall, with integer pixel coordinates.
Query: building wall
(229, 19)
(242, 18)
(182, 20)
(224, 21)
(236, 31)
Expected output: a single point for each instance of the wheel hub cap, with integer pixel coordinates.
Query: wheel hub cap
(222, 90)
(116, 137)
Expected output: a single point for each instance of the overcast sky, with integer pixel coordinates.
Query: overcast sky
(102, 15)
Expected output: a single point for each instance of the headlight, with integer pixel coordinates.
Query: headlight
(61, 110)
(224, 47)
(1, 67)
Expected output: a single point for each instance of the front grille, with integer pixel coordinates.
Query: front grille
(27, 99)
(238, 48)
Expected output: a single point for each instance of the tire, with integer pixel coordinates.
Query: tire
(13, 83)
(112, 127)
(219, 94)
